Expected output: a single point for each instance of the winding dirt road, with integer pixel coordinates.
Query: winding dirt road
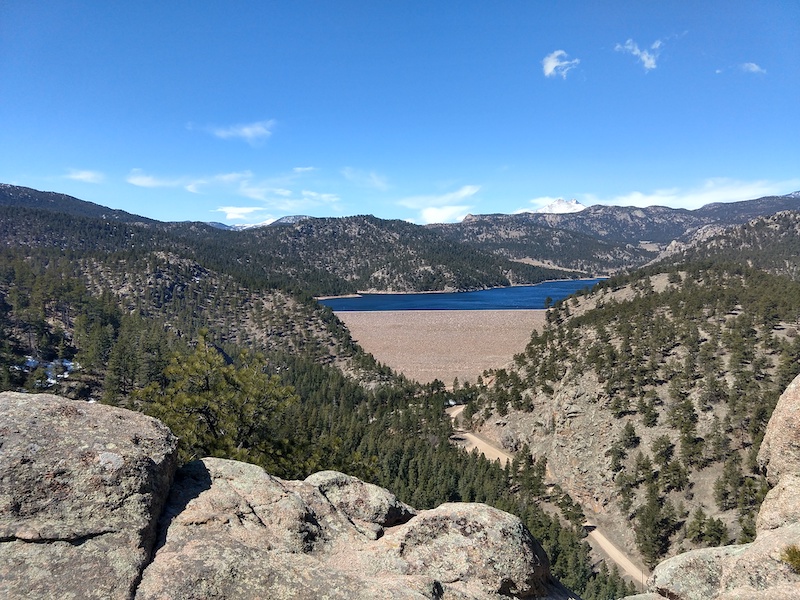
(470, 440)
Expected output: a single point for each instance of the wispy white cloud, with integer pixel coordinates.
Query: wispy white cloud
(238, 213)
(275, 195)
(260, 190)
(558, 63)
(196, 185)
(710, 191)
(221, 180)
(443, 214)
(284, 200)
(440, 208)
(85, 176)
(303, 169)
(321, 198)
(750, 67)
(648, 57)
(140, 178)
(366, 179)
(463, 193)
(252, 133)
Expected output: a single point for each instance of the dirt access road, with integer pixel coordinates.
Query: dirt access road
(469, 440)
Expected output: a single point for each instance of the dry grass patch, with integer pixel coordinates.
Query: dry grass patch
(444, 344)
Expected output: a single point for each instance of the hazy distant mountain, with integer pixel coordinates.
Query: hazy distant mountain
(321, 256)
(736, 213)
(288, 220)
(342, 255)
(561, 206)
(602, 239)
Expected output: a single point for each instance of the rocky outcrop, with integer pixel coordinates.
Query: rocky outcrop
(81, 488)
(756, 570)
(91, 506)
(233, 531)
(369, 507)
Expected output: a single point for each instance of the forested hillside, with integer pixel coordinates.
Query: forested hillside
(517, 238)
(770, 243)
(649, 397)
(15, 195)
(148, 317)
(316, 256)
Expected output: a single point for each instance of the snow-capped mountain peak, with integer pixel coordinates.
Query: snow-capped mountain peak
(562, 206)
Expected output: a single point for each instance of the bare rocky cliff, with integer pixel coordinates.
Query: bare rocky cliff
(92, 506)
(754, 571)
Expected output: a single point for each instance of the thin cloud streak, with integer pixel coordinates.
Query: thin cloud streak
(201, 185)
(85, 176)
(138, 178)
(464, 192)
(249, 132)
(647, 58)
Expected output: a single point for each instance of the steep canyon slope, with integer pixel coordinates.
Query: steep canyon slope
(649, 398)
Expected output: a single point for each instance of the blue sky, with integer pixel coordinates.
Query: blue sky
(247, 111)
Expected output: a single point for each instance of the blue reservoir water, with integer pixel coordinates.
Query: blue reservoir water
(509, 298)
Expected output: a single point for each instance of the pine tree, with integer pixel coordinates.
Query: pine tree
(695, 528)
(219, 409)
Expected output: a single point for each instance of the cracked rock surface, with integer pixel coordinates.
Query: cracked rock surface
(81, 487)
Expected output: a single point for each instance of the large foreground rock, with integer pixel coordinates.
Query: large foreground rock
(91, 506)
(81, 487)
(752, 571)
(233, 531)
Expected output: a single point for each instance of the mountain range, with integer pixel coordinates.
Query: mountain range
(344, 255)
(642, 403)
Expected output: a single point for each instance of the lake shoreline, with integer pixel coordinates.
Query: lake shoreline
(519, 297)
(362, 293)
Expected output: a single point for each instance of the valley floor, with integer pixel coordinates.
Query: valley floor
(443, 344)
